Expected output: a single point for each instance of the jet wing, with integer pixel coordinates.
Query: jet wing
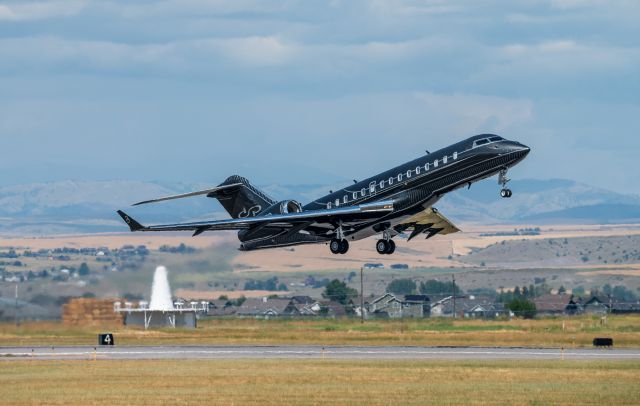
(429, 222)
(311, 217)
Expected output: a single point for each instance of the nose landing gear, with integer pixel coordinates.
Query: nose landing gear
(502, 181)
(506, 193)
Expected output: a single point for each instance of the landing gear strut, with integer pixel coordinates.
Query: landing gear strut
(503, 180)
(339, 245)
(386, 246)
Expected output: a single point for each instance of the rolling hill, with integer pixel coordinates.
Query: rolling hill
(89, 206)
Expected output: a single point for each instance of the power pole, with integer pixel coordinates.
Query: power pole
(453, 287)
(16, 310)
(361, 296)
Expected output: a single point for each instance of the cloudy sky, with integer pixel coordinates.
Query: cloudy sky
(314, 91)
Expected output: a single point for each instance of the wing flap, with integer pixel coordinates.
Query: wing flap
(430, 222)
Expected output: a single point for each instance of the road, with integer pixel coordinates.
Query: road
(312, 352)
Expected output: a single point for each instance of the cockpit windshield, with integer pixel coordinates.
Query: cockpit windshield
(487, 140)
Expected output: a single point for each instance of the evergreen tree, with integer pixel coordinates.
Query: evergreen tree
(84, 269)
(402, 287)
(522, 308)
(339, 291)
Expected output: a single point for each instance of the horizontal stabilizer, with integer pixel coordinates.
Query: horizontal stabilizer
(190, 194)
(133, 225)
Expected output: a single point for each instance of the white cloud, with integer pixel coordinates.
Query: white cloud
(40, 53)
(472, 113)
(28, 11)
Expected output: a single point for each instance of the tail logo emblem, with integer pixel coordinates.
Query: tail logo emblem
(252, 212)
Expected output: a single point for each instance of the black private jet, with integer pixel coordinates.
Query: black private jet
(396, 201)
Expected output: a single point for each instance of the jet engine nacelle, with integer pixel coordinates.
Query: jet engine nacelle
(284, 207)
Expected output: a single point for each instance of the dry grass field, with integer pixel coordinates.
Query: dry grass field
(549, 332)
(418, 253)
(319, 382)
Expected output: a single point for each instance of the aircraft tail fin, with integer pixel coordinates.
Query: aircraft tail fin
(244, 200)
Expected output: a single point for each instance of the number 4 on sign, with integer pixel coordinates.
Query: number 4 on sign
(107, 339)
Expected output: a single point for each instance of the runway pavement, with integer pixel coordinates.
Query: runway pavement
(311, 352)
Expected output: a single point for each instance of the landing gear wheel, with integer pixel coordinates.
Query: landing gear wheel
(392, 247)
(335, 246)
(506, 193)
(382, 246)
(344, 246)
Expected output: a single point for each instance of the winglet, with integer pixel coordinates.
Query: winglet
(133, 225)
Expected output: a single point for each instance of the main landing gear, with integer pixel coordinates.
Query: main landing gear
(503, 180)
(339, 245)
(386, 246)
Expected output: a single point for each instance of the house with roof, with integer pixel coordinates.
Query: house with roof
(625, 307)
(387, 306)
(417, 306)
(556, 305)
(596, 305)
(470, 306)
(390, 306)
(221, 307)
(330, 308)
(267, 307)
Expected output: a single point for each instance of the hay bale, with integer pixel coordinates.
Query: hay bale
(89, 311)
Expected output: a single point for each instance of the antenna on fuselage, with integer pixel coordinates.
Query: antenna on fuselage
(355, 181)
(428, 153)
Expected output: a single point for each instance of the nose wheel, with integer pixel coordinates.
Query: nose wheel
(503, 180)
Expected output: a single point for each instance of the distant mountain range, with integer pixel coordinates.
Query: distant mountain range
(89, 206)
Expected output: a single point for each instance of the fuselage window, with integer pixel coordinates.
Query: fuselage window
(399, 177)
(426, 167)
(381, 184)
(345, 199)
(337, 202)
(372, 187)
(355, 195)
(390, 181)
(364, 192)
(444, 160)
(435, 163)
(329, 205)
(417, 170)
(455, 156)
(408, 174)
